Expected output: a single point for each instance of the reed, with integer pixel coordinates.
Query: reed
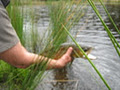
(24, 79)
(55, 37)
(15, 76)
(92, 64)
(35, 74)
(16, 16)
(111, 36)
(61, 12)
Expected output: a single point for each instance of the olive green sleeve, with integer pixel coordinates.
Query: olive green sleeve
(8, 36)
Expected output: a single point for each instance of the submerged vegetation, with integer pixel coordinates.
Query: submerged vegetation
(63, 17)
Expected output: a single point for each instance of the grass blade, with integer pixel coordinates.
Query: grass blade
(88, 59)
(110, 17)
(112, 38)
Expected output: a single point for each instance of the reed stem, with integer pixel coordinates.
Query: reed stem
(88, 59)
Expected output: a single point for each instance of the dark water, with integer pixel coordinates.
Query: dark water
(81, 75)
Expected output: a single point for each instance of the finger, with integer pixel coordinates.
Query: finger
(69, 51)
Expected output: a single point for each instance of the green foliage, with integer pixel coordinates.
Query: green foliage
(16, 16)
(61, 13)
(55, 37)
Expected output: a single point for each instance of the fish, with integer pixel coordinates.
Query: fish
(75, 54)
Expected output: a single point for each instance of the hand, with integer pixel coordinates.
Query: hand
(66, 58)
(60, 63)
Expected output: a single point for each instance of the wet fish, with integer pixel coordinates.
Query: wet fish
(75, 54)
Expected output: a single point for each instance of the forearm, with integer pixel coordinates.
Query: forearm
(50, 63)
(19, 57)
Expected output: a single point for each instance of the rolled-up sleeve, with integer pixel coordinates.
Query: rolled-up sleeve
(8, 36)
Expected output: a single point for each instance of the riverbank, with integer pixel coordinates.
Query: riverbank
(44, 2)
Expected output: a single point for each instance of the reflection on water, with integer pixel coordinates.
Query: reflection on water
(81, 76)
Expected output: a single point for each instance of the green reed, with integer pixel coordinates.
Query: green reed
(92, 64)
(62, 12)
(17, 76)
(30, 82)
(110, 17)
(16, 16)
(55, 37)
(112, 38)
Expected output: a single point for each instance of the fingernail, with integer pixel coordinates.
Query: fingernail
(71, 48)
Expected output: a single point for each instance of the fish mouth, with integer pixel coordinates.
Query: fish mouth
(91, 57)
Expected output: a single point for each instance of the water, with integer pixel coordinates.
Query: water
(81, 75)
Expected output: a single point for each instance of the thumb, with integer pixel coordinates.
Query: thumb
(69, 51)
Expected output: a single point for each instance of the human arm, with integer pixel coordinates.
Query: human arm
(19, 57)
(13, 52)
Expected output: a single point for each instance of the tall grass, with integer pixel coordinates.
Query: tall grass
(55, 37)
(12, 79)
(61, 12)
(16, 16)
(25, 79)
(35, 74)
(15, 76)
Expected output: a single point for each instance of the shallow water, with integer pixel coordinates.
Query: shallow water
(81, 75)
